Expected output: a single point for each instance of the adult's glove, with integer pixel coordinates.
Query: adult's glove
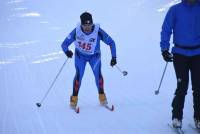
(69, 54)
(113, 61)
(167, 56)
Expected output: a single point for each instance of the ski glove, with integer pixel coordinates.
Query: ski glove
(69, 54)
(113, 61)
(167, 56)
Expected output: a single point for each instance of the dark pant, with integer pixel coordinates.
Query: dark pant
(183, 65)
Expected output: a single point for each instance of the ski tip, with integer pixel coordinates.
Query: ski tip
(112, 108)
(77, 110)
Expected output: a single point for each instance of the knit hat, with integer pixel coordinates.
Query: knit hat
(86, 18)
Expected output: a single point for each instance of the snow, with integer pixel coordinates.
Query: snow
(30, 58)
(168, 5)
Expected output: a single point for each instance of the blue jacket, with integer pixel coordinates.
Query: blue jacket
(102, 35)
(183, 20)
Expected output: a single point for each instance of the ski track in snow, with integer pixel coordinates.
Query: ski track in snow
(5, 117)
(18, 44)
(35, 60)
(15, 2)
(41, 122)
(23, 15)
(48, 57)
(20, 9)
(45, 60)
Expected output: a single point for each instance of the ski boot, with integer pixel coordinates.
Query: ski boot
(102, 99)
(197, 123)
(73, 101)
(176, 123)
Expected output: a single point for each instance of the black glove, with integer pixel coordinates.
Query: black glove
(69, 54)
(113, 61)
(167, 56)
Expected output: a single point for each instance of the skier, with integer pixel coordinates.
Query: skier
(184, 20)
(86, 37)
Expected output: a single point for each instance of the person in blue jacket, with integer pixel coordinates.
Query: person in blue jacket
(183, 20)
(86, 37)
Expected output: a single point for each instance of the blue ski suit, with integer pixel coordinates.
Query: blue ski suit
(94, 59)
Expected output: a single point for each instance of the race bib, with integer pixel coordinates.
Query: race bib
(86, 44)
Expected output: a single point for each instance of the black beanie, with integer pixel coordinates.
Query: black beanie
(86, 18)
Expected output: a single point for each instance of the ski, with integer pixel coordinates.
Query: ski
(194, 128)
(76, 109)
(176, 130)
(110, 108)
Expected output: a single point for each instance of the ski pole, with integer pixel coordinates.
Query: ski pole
(123, 72)
(158, 90)
(39, 104)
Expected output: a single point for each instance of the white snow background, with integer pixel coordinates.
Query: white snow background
(30, 57)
